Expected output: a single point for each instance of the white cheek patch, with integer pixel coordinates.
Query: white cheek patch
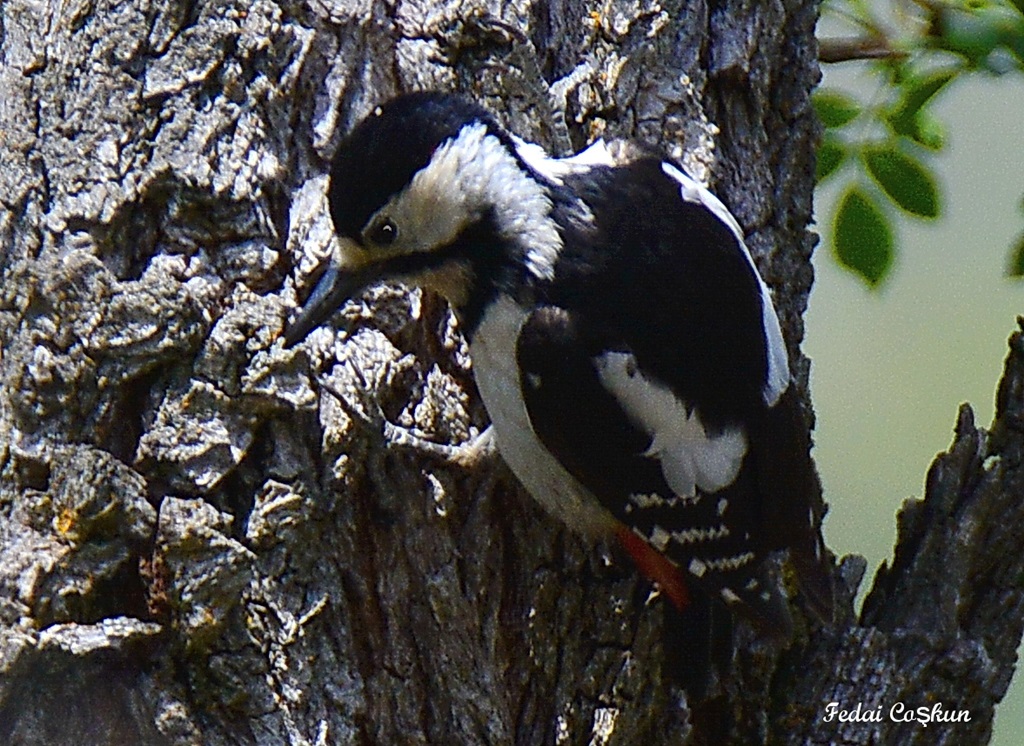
(690, 458)
(467, 176)
(429, 213)
(777, 379)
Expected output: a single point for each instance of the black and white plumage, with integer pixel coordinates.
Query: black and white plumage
(625, 347)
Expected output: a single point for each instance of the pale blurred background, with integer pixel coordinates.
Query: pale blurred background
(891, 366)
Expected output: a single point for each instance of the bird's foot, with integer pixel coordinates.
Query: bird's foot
(371, 417)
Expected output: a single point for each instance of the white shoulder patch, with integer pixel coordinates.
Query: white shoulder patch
(777, 380)
(596, 154)
(536, 158)
(690, 457)
(556, 169)
(694, 192)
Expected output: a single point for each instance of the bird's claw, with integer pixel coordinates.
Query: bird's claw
(465, 455)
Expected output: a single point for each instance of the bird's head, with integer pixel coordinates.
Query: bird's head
(430, 191)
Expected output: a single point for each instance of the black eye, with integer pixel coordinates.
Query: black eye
(383, 233)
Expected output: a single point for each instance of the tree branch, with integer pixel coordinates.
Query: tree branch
(859, 48)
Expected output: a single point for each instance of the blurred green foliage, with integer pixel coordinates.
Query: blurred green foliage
(881, 149)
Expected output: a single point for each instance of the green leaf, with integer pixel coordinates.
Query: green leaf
(905, 180)
(928, 131)
(834, 108)
(831, 155)
(1016, 268)
(908, 116)
(972, 32)
(862, 237)
(1013, 33)
(921, 90)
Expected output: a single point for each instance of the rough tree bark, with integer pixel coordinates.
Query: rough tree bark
(199, 544)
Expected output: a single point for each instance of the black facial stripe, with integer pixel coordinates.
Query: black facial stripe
(488, 259)
(474, 246)
(406, 266)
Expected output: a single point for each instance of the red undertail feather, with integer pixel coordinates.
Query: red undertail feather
(655, 566)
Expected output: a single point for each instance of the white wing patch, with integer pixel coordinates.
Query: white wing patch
(690, 457)
(777, 379)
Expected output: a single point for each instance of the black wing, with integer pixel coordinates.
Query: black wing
(718, 538)
(669, 278)
(650, 377)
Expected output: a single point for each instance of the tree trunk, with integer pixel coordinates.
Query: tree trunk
(201, 544)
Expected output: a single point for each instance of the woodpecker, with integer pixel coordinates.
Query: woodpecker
(625, 347)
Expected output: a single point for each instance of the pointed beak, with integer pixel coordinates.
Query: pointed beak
(335, 287)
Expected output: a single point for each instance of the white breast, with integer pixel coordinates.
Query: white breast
(493, 352)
